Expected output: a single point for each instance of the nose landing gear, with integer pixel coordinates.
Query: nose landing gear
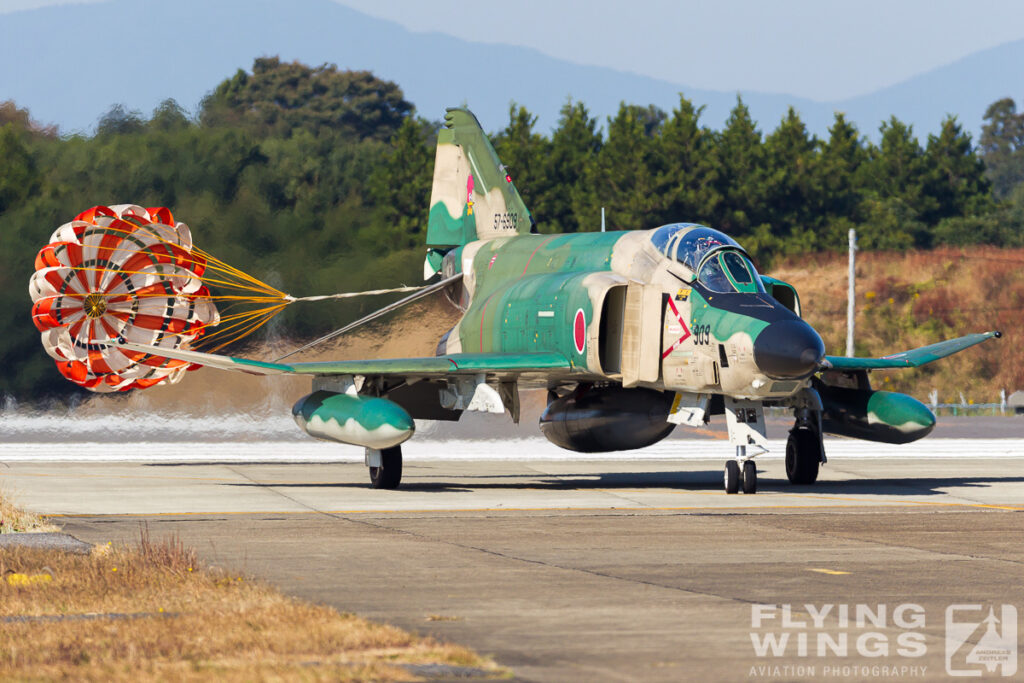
(741, 473)
(745, 420)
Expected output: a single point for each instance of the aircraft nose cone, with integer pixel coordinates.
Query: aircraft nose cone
(788, 348)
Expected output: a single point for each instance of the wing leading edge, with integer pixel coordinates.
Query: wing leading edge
(912, 358)
(452, 364)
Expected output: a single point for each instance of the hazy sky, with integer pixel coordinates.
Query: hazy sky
(819, 49)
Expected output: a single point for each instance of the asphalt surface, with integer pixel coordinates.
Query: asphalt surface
(601, 571)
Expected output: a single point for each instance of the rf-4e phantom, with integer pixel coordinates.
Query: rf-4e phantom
(632, 334)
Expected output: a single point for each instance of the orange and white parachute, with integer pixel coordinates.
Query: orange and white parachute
(120, 272)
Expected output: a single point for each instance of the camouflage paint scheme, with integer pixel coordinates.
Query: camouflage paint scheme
(349, 418)
(629, 309)
(523, 292)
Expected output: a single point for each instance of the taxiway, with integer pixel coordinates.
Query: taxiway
(594, 570)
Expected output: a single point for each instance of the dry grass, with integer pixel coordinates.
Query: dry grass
(13, 519)
(913, 298)
(183, 622)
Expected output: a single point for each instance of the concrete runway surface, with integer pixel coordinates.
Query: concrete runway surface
(586, 570)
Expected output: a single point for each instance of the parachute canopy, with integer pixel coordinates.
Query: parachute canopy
(123, 273)
(120, 273)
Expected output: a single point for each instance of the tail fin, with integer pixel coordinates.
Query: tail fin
(472, 197)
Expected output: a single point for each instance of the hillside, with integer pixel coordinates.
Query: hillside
(914, 298)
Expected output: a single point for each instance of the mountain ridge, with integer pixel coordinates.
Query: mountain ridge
(67, 65)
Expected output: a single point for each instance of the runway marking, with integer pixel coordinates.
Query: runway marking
(819, 496)
(413, 511)
(832, 572)
(115, 476)
(822, 496)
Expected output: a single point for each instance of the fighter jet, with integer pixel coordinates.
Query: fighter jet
(632, 334)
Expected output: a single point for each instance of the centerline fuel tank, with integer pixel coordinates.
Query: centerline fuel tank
(597, 420)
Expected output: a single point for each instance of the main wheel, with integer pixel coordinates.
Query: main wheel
(749, 477)
(732, 477)
(389, 474)
(802, 456)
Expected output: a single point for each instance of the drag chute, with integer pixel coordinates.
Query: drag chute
(120, 273)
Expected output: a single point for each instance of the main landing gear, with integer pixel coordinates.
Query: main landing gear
(803, 456)
(385, 467)
(804, 449)
(741, 473)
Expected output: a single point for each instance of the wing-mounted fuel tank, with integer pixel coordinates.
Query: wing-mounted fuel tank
(863, 413)
(353, 419)
(600, 419)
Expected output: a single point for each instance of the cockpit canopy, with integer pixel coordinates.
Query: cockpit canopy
(719, 261)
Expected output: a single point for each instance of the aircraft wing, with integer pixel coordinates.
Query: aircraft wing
(451, 364)
(910, 359)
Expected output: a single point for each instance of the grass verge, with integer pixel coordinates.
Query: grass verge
(150, 612)
(13, 519)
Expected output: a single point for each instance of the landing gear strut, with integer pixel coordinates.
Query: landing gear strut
(741, 472)
(385, 467)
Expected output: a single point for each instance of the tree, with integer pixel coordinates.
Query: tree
(623, 177)
(956, 176)
(688, 170)
(22, 120)
(168, 116)
(897, 175)
(574, 146)
(843, 156)
(278, 98)
(119, 120)
(19, 177)
(523, 153)
(792, 189)
(1002, 147)
(739, 155)
(400, 187)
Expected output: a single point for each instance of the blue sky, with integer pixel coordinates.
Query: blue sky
(818, 49)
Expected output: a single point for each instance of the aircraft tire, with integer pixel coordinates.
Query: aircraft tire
(749, 477)
(802, 457)
(389, 474)
(732, 477)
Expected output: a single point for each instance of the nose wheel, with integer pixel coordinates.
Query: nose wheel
(732, 477)
(749, 477)
(741, 473)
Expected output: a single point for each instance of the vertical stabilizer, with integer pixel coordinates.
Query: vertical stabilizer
(472, 196)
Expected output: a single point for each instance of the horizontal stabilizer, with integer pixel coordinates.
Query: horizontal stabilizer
(910, 359)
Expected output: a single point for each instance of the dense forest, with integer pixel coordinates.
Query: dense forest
(317, 180)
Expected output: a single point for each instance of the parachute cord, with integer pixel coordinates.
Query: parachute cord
(349, 295)
(421, 292)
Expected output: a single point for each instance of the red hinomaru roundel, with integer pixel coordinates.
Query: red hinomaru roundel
(120, 272)
(579, 331)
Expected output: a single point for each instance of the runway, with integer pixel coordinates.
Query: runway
(616, 569)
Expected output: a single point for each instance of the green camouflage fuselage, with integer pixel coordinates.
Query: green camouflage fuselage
(615, 307)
